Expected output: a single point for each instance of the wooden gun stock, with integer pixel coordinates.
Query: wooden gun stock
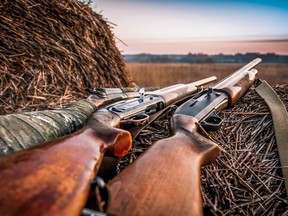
(165, 180)
(54, 178)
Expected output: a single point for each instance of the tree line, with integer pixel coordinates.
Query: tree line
(205, 58)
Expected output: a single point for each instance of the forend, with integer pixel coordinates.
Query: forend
(238, 83)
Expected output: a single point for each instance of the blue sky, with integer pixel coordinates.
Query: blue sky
(164, 21)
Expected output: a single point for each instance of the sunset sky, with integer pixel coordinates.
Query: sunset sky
(203, 26)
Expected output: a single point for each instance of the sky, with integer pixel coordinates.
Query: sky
(203, 26)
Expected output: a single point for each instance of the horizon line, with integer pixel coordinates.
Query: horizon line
(201, 53)
(219, 47)
(214, 39)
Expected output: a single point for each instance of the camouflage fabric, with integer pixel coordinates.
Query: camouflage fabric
(24, 130)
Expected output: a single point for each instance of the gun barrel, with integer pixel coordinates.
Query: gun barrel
(171, 93)
(238, 73)
(239, 82)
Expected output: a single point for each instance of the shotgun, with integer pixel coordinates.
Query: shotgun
(54, 178)
(165, 180)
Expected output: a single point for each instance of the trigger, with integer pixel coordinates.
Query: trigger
(137, 120)
(212, 122)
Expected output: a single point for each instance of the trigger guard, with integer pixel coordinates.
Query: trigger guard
(137, 120)
(212, 123)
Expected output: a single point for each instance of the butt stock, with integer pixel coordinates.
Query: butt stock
(165, 180)
(54, 178)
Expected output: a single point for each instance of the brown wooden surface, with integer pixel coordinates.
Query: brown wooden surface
(54, 178)
(237, 86)
(165, 180)
(239, 82)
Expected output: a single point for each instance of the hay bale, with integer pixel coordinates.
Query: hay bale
(50, 51)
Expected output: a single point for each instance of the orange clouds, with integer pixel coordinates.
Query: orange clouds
(207, 47)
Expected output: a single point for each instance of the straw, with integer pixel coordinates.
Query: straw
(50, 51)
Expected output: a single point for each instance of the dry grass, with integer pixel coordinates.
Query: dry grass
(169, 74)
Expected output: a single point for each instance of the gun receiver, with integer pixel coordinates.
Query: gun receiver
(136, 111)
(165, 180)
(226, 93)
(54, 178)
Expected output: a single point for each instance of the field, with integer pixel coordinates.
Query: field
(148, 74)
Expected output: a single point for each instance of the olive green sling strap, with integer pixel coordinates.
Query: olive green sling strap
(280, 124)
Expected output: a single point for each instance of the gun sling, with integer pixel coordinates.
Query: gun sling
(280, 124)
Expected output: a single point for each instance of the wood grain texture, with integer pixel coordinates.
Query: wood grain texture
(165, 180)
(54, 178)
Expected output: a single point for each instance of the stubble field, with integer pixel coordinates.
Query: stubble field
(148, 74)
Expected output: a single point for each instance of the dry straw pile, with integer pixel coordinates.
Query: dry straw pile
(50, 51)
(246, 179)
